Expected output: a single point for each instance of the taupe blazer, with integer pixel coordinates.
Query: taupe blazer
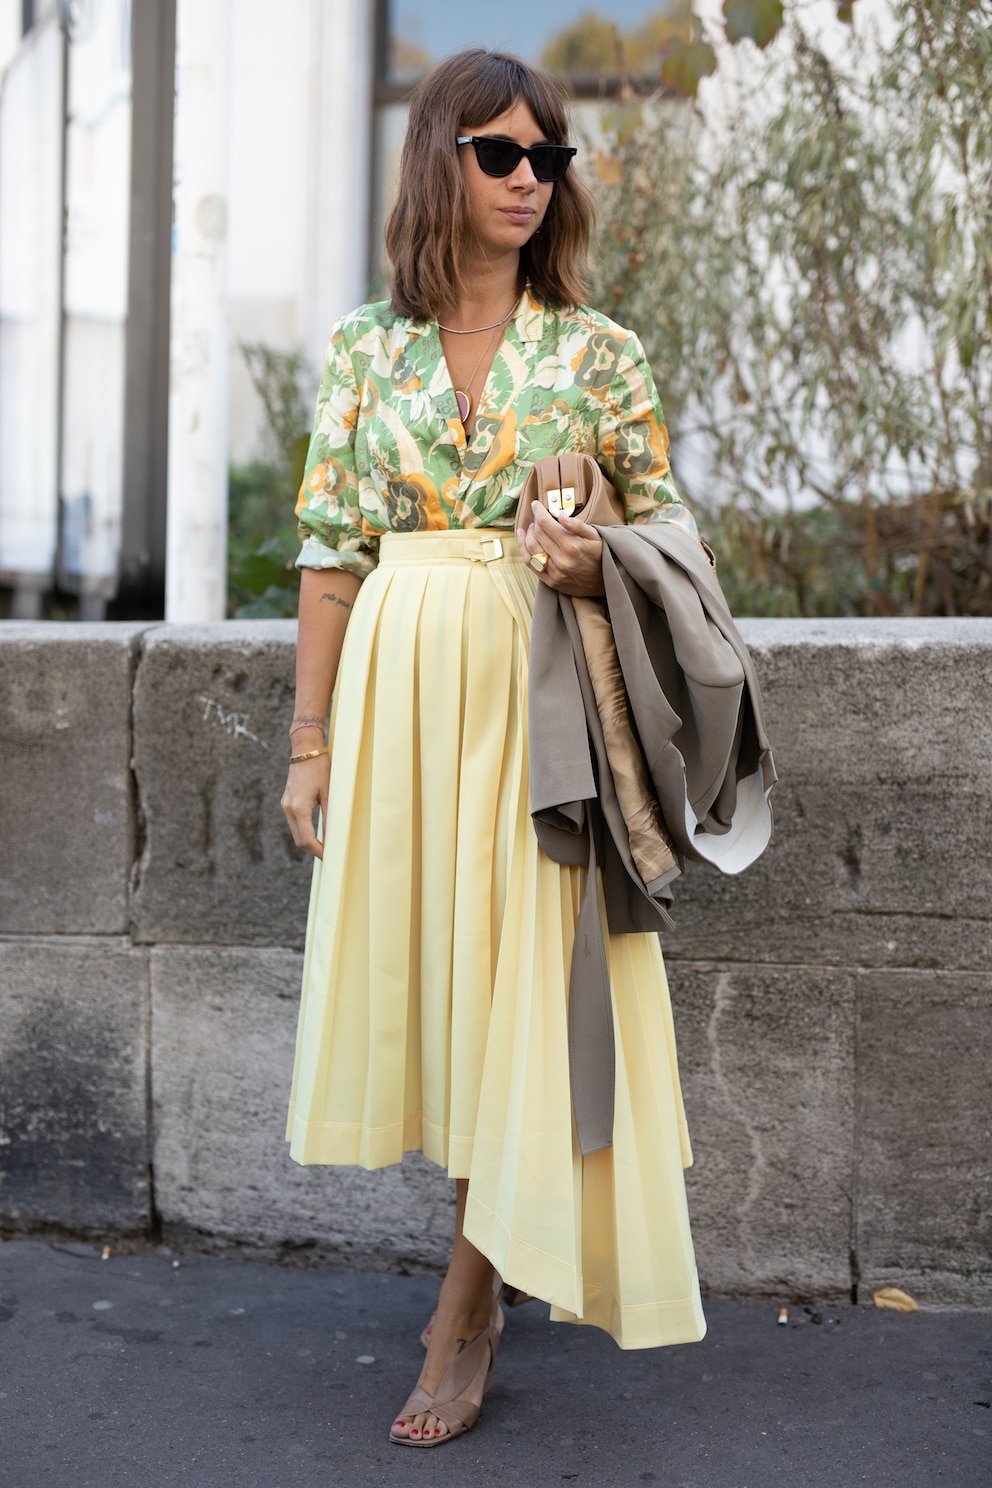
(647, 746)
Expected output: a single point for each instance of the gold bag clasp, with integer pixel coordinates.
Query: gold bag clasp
(561, 502)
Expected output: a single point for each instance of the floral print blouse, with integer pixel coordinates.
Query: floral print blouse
(388, 452)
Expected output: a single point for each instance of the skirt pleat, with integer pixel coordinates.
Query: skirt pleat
(439, 940)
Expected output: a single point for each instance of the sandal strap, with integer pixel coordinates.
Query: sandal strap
(461, 1419)
(449, 1400)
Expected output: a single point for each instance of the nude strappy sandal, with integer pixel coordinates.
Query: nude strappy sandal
(465, 1383)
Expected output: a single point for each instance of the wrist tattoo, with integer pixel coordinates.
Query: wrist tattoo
(302, 719)
(336, 599)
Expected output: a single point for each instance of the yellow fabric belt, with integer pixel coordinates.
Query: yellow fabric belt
(453, 546)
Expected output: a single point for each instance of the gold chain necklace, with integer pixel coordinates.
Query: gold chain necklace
(463, 396)
(476, 330)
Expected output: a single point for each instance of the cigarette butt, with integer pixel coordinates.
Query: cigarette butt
(783, 1316)
(105, 1253)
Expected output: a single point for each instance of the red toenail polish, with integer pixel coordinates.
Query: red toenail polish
(414, 1432)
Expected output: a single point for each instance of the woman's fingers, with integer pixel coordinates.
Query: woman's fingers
(534, 538)
(306, 789)
(574, 549)
(304, 836)
(547, 532)
(526, 541)
(300, 823)
(566, 538)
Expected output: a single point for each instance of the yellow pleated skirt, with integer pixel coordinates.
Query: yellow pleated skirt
(439, 940)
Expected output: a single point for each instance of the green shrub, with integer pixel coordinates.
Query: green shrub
(262, 541)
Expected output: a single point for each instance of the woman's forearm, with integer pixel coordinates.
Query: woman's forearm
(326, 598)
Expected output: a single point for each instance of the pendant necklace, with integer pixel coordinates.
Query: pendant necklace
(464, 397)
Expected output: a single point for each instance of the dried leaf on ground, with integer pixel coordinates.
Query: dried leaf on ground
(899, 1301)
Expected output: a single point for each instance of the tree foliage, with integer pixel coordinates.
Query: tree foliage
(817, 300)
(595, 46)
(689, 56)
(670, 44)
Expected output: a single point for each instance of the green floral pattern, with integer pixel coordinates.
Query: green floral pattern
(388, 452)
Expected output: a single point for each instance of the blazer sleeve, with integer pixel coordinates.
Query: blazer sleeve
(633, 444)
(330, 521)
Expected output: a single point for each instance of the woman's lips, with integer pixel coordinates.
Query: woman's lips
(520, 215)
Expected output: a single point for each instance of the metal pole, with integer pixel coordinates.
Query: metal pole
(146, 381)
(196, 534)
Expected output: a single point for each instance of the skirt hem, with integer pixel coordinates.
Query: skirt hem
(650, 1325)
(340, 1144)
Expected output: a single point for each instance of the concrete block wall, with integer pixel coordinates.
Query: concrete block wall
(833, 1005)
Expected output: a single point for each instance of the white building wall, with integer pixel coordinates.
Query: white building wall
(10, 30)
(97, 191)
(30, 309)
(196, 529)
(301, 110)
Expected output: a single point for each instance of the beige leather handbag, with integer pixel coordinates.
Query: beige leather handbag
(574, 486)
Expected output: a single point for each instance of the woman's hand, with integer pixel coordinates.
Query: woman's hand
(306, 788)
(326, 598)
(574, 549)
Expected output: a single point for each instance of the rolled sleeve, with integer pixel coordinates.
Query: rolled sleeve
(633, 444)
(329, 518)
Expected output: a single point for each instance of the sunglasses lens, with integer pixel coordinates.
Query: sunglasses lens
(498, 157)
(549, 162)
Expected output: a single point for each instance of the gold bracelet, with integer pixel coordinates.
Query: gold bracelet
(297, 759)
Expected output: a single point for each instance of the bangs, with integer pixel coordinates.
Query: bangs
(501, 82)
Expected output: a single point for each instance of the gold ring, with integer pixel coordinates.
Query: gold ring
(539, 561)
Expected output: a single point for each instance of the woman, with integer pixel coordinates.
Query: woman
(439, 937)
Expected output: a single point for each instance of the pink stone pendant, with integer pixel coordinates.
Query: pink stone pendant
(464, 404)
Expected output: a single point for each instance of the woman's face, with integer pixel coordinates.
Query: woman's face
(505, 211)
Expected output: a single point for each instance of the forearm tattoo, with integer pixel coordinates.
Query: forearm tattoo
(336, 599)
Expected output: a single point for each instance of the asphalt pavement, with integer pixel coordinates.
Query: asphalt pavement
(161, 1370)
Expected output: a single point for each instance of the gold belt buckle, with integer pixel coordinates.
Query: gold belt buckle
(497, 549)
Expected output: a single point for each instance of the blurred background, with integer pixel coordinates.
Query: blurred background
(795, 215)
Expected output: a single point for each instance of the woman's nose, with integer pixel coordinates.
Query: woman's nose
(523, 176)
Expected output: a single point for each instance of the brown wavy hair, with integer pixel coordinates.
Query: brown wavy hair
(427, 230)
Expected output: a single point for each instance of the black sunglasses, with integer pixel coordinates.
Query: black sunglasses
(500, 157)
